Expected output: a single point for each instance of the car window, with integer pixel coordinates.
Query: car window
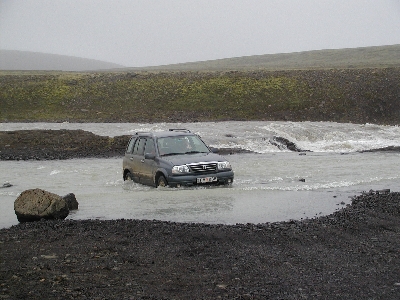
(150, 146)
(130, 145)
(138, 149)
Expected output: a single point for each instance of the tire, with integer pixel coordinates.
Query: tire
(161, 181)
(128, 176)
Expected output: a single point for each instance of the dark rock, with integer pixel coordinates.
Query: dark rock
(384, 149)
(71, 201)
(36, 204)
(283, 143)
(229, 151)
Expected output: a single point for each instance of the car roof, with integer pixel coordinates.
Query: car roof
(169, 133)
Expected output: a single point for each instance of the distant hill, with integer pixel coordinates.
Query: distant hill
(27, 61)
(365, 57)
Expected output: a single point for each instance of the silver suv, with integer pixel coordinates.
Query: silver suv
(174, 158)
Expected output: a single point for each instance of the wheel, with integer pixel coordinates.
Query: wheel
(128, 176)
(162, 181)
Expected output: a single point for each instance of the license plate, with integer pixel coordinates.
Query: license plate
(206, 179)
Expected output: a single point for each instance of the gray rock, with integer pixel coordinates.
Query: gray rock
(71, 201)
(6, 185)
(37, 204)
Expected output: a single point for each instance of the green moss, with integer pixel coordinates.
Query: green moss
(189, 96)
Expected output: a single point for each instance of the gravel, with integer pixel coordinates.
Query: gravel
(353, 253)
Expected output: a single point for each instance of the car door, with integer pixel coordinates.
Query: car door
(148, 165)
(128, 158)
(133, 159)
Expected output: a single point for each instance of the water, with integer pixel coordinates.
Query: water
(270, 185)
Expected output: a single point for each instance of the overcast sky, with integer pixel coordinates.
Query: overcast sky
(138, 33)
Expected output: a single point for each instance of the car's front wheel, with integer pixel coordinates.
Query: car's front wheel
(162, 182)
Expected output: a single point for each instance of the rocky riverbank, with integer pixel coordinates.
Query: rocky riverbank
(65, 144)
(58, 144)
(351, 254)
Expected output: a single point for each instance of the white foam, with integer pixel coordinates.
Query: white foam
(253, 135)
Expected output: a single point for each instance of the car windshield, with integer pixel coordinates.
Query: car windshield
(176, 145)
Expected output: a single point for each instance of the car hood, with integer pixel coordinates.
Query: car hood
(192, 158)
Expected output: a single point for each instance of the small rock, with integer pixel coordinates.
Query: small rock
(53, 256)
(6, 185)
(222, 286)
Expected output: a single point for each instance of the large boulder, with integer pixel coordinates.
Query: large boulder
(37, 204)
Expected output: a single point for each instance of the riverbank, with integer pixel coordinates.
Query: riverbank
(351, 254)
(67, 144)
(49, 144)
(368, 95)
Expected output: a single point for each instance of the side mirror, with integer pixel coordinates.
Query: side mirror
(149, 156)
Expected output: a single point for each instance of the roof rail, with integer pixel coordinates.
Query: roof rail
(179, 129)
(141, 132)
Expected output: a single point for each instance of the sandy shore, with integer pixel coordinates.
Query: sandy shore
(351, 254)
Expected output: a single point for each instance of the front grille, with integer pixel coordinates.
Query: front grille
(203, 167)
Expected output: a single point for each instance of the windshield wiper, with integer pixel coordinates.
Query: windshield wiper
(173, 153)
(191, 152)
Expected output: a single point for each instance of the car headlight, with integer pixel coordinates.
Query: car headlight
(224, 165)
(180, 169)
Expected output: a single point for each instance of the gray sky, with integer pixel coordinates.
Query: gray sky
(138, 33)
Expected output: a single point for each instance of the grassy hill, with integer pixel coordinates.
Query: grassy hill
(25, 60)
(342, 93)
(366, 57)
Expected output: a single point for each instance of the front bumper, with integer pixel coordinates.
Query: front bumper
(225, 178)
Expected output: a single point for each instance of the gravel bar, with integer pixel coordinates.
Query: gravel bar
(353, 253)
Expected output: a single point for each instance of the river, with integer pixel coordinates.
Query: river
(272, 184)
